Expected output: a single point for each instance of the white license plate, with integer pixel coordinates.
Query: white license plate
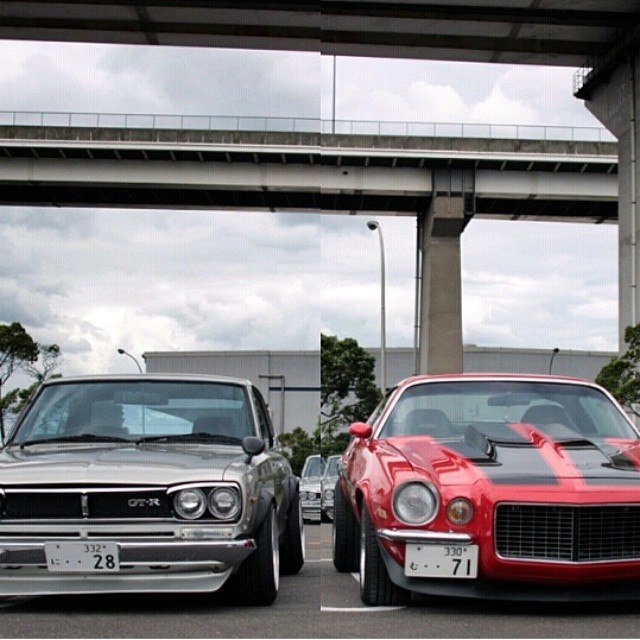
(441, 561)
(81, 557)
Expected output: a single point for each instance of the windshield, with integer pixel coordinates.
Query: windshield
(136, 410)
(312, 467)
(332, 466)
(560, 411)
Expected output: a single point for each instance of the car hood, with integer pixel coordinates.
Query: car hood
(526, 457)
(148, 464)
(310, 484)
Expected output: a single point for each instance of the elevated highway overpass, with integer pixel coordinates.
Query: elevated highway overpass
(523, 176)
(425, 171)
(521, 31)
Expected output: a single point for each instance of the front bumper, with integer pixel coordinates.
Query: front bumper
(497, 589)
(311, 510)
(145, 565)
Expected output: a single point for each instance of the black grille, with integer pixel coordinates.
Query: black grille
(568, 533)
(98, 505)
(27, 506)
(125, 504)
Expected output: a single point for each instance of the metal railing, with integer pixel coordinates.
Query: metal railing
(302, 125)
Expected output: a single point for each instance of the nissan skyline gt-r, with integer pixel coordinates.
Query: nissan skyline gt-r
(147, 483)
(495, 486)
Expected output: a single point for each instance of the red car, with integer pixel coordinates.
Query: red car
(492, 486)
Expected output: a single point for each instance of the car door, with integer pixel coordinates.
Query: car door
(276, 470)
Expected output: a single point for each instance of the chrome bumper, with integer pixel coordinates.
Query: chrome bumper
(424, 537)
(215, 553)
(145, 566)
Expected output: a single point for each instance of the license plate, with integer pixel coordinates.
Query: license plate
(81, 557)
(441, 561)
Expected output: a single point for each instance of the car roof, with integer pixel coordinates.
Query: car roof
(152, 377)
(516, 377)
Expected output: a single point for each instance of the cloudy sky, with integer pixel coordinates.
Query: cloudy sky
(94, 280)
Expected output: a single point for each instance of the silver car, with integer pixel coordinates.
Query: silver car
(329, 480)
(310, 488)
(147, 483)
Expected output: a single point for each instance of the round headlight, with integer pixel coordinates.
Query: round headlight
(459, 511)
(190, 504)
(224, 503)
(328, 494)
(311, 495)
(303, 495)
(415, 503)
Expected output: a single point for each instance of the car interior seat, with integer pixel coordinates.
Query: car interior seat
(558, 422)
(429, 422)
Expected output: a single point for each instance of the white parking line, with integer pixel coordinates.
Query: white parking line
(321, 560)
(358, 609)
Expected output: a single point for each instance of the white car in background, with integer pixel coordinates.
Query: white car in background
(310, 488)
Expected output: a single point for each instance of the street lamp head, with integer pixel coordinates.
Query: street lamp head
(556, 350)
(373, 225)
(121, 352)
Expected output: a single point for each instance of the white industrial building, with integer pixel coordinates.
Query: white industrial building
(290, 380)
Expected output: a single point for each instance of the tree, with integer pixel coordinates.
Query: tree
(18, 351)
(297, 446)
(348, 390)
(621, 376)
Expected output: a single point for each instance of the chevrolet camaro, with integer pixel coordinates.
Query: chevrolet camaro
(494, 486)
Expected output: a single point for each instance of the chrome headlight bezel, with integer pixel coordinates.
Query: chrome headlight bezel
(328, 494)
(435, 495)
(201, 508)
(234, 513)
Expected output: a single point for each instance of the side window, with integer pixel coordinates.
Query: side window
(266, 430)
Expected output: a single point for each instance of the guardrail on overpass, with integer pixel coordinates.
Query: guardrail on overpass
(303, 125)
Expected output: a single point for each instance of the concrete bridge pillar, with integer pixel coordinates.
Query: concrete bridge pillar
(615, 102)
(440, 340)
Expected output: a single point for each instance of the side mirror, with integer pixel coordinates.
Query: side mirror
(360, 430)
(252, 446)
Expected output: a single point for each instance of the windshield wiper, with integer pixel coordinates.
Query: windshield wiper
(84, 437)
(199, 436)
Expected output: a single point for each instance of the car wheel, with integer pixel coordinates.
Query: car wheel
(292, 549)
(345, 534)
(376, 588)
(257, 580)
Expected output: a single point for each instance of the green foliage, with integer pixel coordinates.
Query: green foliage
(346, 368)
(620, 376)
(17, 349)
(348, 394)
(297, 446)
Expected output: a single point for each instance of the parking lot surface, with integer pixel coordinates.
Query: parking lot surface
(319, 602)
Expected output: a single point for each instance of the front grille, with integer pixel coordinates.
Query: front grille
(568, 533)
(107, 504)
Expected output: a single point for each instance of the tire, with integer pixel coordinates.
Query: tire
(257, 580)
(345, 534)
(376, 588)
(292, 547)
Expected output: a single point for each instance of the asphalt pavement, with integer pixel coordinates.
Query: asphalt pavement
(318, 602)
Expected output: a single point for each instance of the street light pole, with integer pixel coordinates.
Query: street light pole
(373, 225)
(553, 355)
(122, 352)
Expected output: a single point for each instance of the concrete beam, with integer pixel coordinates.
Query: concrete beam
(617, 106)
(441, 296)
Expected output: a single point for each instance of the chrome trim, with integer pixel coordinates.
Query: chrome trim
(139, 553)
(382, 420)
(81, 490)
(200, 485)
(434, 492)
(573, 563)
(425, 537)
